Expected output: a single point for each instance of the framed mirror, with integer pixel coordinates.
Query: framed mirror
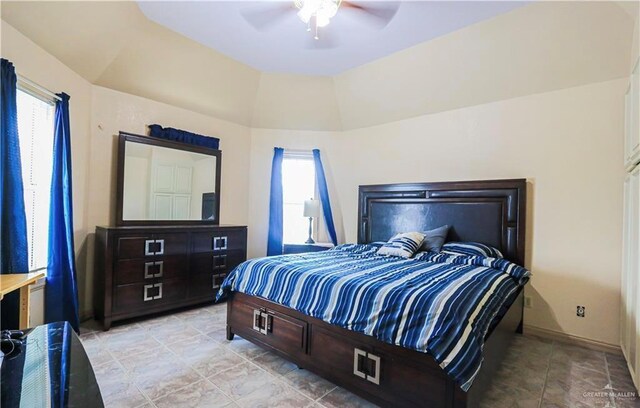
(162, 182)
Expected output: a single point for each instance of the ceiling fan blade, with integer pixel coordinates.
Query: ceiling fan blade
(378, 14)
(325, 40)
(267, 15)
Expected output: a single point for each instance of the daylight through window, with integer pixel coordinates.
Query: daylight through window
(299, 184)
(35, 130)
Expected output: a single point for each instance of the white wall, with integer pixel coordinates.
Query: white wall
(567, 144)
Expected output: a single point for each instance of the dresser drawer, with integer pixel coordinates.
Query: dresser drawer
(205, 284)
(218, 262)
(136, 247)
(218, 240)
(131, 247)
(148, 294)
(270, 327)
(371, 369)
(141, 270)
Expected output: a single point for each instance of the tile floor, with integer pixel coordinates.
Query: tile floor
(184, 360)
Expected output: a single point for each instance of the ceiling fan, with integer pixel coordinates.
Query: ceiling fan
(318, 13)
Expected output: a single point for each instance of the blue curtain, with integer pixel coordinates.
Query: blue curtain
(324, 196)
(61, 292)
(183, 136)
(14, 253)
(274, 245)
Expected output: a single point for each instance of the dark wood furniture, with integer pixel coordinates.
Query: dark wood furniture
(149, 266)
(49, 369)
(492, 212)
(144, 270)
(302, 248)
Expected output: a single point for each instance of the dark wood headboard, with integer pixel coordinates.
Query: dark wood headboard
(492, 212)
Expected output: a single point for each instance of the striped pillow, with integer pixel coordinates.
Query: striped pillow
(403, 245)
(471, 249)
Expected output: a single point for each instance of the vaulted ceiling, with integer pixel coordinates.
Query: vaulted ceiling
(535, 48)
(269, 36)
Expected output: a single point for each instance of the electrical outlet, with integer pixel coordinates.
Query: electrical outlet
(580, 311)
(527, 302)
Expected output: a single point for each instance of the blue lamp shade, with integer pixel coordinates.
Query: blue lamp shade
(311, 208)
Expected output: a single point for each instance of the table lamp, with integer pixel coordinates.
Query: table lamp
(311, 210)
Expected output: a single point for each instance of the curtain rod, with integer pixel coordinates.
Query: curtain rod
(37, 87)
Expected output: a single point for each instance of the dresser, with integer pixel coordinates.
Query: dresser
(140, 270)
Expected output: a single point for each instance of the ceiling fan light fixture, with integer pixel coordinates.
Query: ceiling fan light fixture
(305, 14)
(322, 21)
(322, 10)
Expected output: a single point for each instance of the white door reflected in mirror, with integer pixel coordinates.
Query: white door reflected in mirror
(164, 184)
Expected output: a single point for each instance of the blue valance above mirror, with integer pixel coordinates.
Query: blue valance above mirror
(183, 136)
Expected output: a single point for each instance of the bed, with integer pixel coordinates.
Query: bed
(381, 326)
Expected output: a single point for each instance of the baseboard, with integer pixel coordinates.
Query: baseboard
(571, 339)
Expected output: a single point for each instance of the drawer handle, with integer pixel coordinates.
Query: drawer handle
(147, 247)
(219, 243)
(161, 243)
(148, 251)
(219, 261)
(366, 365)
(215, 277)
(373, 369)
(146, 297)
(359, 357)
(260, 321)
(148, 265)
(269, 324)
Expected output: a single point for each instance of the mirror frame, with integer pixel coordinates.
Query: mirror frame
(130, 137)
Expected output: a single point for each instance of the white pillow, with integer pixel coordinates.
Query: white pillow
(403, 245)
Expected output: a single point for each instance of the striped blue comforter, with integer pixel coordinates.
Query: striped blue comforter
(435, 303)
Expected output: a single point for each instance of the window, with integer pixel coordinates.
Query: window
(298, 184)
(35, 130)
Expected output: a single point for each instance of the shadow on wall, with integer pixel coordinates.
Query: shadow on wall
(87, 254)
(529, 223)
(541, 307)
(84, 278)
